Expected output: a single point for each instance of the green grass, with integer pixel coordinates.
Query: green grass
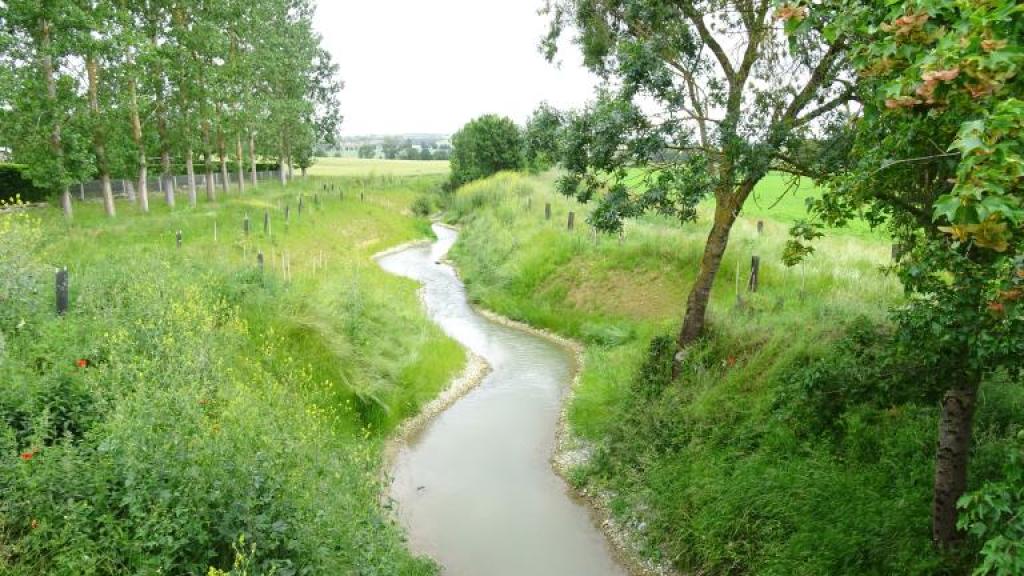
(378, 167)
(783, 199)
(219, 404)
(793, 444)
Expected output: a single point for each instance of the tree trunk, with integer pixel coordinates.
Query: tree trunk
(955, 428)
(281, 168)
(211, 192)
(728, 202)
(241, 163)
(99, 140)
(166, 177)
(56, 138)
(65, 202)
(190, 169)
(252, 156)
(222, 149)
(143, 191)
(143, 188)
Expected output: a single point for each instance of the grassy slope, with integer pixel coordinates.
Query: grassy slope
(768, 457)
(299, 383)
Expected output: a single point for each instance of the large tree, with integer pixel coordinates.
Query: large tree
(485, 146)
(937, 154)
(707, 97)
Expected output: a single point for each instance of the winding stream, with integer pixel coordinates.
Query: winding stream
(475, 489)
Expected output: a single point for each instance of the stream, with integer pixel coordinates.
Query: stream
(475, 488)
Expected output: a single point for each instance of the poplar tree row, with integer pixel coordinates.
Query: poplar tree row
(121, 88)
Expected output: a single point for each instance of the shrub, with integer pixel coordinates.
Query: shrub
(422, 206)
(485, 146)
(995, 516)
(14, 184)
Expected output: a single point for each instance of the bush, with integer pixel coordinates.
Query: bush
(422, 206)
(485, 146)
(14, 184)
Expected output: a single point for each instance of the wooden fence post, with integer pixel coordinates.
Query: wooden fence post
(259, 261)
(62, 291)
(266, 222)
(760, 227)
(547, 210)
(177, 238)
(245, 225)
(572, 221)
(897, 252)
(299, 213)
(287, 213)
(755, 273)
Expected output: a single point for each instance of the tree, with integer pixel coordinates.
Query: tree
(367, 151)
(485, 146)
(541, 138)
(727, 91)
(45, 128)
(938, 155)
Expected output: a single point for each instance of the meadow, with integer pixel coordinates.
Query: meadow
(352, 167)
(797, 441)
(193, 412)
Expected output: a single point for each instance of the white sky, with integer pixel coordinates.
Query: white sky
(416, 66)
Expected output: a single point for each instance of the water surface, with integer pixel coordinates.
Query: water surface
(475, 489)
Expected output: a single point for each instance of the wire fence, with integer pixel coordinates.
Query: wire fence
(125, 188)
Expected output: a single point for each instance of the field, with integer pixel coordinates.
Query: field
(192, 412)
(795, 442)
(375, 167)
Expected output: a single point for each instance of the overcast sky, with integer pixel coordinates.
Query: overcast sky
(417, 66)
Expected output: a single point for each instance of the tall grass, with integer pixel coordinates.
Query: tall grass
(794, 442)
(190, 411)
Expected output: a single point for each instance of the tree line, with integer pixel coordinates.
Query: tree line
(107, 88)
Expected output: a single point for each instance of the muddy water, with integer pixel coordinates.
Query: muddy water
(475, 489)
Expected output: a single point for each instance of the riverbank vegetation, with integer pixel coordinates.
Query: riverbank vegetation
(190, 412)
(797, 440)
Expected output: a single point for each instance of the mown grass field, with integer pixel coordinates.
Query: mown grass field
(794, 442)
(190, 412)
(377, 167)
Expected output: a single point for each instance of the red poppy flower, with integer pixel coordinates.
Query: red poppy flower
(26, 456)
(82, 363)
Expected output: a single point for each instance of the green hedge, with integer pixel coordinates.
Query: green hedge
(14, 183)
